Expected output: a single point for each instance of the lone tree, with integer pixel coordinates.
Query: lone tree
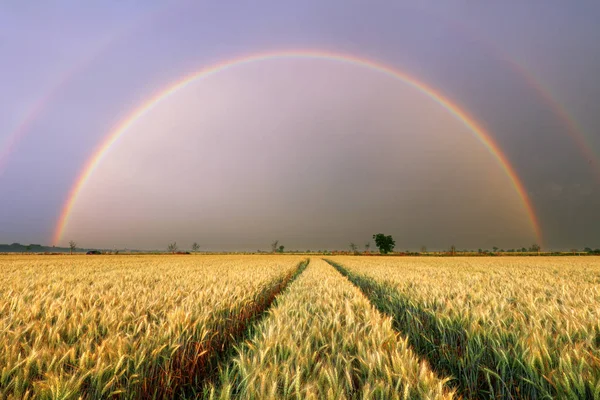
(172, 248)
(274, 245)
(423, 249)
(535, 248)
(453, 250)
(281, 248)
(353, 248)
(384, 243)
(367, 247)
(72, 246)
(195, 247)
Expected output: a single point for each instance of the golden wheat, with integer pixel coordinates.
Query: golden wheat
(521, 327)
(160, 326)
(325, 340)
(132, 326)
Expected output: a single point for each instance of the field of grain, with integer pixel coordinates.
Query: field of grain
(279, 326)
(501, 327)
(133, 326)
(324, 340)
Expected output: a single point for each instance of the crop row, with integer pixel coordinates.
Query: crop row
(522, 329)
(134, 327)
(323, 339)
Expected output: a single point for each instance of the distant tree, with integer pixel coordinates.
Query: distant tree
(523, 250)
(195, 247)
(423, 249)
(453, 250)
(535, 248)
(274, 245)
(385, 243)
(28, 249)
(367, 246)
(495, 249)
(480, 251)
(72, 246)
(353, 248)
(574, 251)
(588, 250)
(281, 248)
(172, 247)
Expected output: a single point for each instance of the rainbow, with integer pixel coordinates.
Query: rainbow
(436, 96)
(570, 124)
(572, 128)
(41, 104)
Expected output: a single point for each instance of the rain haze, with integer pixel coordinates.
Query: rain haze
(136, 124)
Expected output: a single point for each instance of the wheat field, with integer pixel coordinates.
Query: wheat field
(325, 340)
(283, 326)
(501, 327)
(127, 326)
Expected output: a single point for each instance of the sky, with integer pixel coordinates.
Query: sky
(311, 151)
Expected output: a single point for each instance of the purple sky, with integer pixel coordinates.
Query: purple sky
(314, 153)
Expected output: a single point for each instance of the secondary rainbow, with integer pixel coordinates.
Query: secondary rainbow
(543, 91)
(571, 125)
(433, 94)
(41, 104)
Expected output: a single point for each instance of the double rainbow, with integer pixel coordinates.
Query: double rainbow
(478, 131)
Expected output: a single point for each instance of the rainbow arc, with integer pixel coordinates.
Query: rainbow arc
(475, 128)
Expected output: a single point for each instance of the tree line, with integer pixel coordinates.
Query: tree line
(385, 244)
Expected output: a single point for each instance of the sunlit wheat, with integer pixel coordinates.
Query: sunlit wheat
(506, 327)
(133, 326)
(324, 340)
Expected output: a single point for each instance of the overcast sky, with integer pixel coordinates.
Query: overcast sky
(316, 153)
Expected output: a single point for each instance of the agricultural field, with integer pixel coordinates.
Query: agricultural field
(283, 326)
(324, 339)
(125, 326)
(500, 327)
